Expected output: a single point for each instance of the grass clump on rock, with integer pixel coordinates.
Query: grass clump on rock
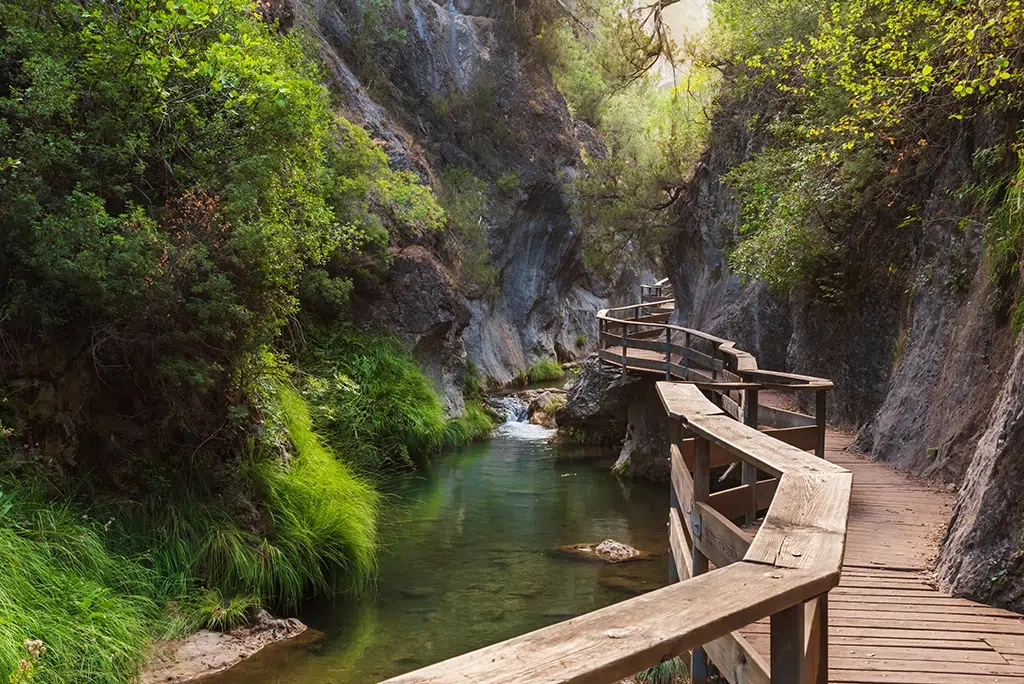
(545, 371)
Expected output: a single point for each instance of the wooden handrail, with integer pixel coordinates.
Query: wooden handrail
(784, 571)
(795, 557)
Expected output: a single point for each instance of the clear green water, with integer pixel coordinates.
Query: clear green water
(468, 561)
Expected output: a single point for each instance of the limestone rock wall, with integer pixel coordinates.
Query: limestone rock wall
(927, 368)
(457, 89)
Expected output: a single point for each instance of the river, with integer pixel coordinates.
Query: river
(468, 560)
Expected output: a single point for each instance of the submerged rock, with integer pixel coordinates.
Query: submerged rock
(608, 551)
(633, 586)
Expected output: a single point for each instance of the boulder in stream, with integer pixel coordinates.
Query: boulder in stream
(608, 551)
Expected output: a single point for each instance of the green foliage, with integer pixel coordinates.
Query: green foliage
(653, 135)
(174, 180)
(581, 341)
(370, 400)
(476, 425)
(509, 181)
(672, 671)
(865, 100)
(313, 531)
(464, 200)
(61, 585)
(546, 370)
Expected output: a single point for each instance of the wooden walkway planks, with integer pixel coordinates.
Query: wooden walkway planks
(887, 621)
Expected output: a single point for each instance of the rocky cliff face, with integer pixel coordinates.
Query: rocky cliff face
(926, 368)
(450, 85)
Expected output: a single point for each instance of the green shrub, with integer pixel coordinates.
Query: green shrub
(173, 179)
(464, 200)
(310, 529)
(581, 341)
(545, 371)
(672, 671)
(509, 181)
(370, 400)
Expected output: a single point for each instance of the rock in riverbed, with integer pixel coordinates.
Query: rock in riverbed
(206, 652)
(608, 551)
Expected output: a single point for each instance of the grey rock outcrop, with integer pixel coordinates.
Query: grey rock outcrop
(645, 452)
(981, 555)
(459, 90)
(419, 303)
(598, 403)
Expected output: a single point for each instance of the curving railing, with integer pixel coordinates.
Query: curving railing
(728, 578)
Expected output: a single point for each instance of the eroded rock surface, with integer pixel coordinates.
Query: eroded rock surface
(598, 401)
(981, 556)
(645, 452)
(206, 652)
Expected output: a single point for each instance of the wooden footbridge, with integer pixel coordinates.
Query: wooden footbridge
(816, 568)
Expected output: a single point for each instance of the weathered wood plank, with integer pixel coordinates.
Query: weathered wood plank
(806, 523)
(737, 661)
(622, 639)
(720, 540)
(780, 418)
(680, 545)
(733, 503)
(804, 438)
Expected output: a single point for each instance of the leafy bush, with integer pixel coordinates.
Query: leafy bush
(509, 181)
(866, 100)
(476, 425)
(370, 400)
(672, 671)
(463, 197)
(173, 179)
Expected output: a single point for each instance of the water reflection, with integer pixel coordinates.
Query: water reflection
(469, 560)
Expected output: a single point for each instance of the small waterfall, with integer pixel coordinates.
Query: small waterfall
(512, 408)
(517, 425)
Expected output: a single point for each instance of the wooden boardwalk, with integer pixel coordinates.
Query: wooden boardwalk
(887, 621)
(842, 541)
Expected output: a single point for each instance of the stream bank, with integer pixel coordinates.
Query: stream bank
(471, 558)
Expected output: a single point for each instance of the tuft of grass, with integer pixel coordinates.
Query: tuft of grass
(509, 181)
(370, 400)
(545, 371)
(313, 531)
(581, 341)
(672, 671)
(62, 585)
(476, 425)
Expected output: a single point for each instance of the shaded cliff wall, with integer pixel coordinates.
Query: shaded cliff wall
(453, 86)
(926, 366)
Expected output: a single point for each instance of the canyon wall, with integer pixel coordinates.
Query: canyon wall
(926, 366)
(455, 88)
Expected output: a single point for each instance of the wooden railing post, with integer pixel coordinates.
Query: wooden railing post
(819, 420)
(686, 358)
(625, 345)
(749, 469)
(701, 491)
(668, 353)
(675, 439)
(787, 646)
(816, 641)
